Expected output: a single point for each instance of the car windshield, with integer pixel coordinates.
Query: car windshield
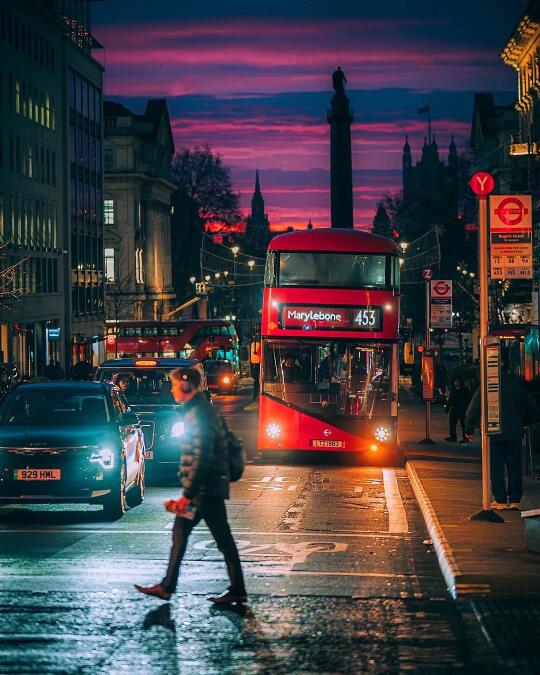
(329, 378)
(141, 385)
(58, 407)
(218, 367)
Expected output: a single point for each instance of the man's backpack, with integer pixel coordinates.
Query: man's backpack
(235, 451)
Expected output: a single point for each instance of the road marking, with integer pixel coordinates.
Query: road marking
(297, 551)
(276, 533)
(397, 518)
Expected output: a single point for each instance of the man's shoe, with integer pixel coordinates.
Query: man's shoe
(227, 598)
(450, 439)
(465, 441)
(498, 506)
(514, 506)
(156, 591)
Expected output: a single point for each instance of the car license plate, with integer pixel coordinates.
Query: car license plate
(328, 444)
(38, 474)
(149, 454)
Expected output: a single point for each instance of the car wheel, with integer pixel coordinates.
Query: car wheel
(135, 496)
(115, 504)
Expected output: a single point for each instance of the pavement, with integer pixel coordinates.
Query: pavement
(477, 559)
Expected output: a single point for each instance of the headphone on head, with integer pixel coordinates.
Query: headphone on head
(186, 384)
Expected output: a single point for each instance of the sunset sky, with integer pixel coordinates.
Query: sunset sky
(254, 81)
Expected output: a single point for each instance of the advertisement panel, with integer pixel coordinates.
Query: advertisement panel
(510, 230)
(492, 407)
(428, 376)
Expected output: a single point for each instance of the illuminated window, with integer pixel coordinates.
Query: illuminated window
(17, 96)
(139, 269)
(108, 211)
(109, 265)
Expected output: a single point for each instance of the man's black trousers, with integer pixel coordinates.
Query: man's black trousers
(212, 510)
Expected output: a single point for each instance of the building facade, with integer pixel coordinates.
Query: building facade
(138, 150)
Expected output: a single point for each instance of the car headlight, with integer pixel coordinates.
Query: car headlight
(177, 429)
(273, 430)
(226, 379)
(382, 434)
(104, 457)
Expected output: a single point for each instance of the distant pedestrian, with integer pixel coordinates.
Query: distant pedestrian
(456, 407)
(518, 410)
(255, 374)
(205, 476)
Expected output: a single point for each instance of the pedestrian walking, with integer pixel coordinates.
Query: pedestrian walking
(456, 407)
(205, 475)
(518, 410)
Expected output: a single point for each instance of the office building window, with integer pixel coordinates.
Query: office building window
(108, 159)
(109, 265)
(108, 211)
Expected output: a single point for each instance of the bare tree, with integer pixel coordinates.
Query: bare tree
(10, 290)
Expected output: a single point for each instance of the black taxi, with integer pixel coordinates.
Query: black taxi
(145, 382)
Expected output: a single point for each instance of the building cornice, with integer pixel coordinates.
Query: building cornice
(134, 175)
(520, 43)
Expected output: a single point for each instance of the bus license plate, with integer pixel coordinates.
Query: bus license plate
(149, 454)
(328, 444)
(38, 474)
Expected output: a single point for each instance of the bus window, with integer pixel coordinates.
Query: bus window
(334, 270)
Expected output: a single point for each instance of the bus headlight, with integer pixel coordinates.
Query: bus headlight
(273, 430)
(226, 379)
(382, 434)
(104, 457)
(177, 429)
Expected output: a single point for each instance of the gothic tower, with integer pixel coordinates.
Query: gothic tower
(257, 226)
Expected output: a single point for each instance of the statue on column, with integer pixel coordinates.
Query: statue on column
(339, 81)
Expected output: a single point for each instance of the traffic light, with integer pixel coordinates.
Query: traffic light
(408, 353)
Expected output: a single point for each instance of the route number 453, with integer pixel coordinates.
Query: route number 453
(366, 317)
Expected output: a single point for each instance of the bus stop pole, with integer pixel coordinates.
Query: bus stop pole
(428, 345)
(428, 440)
(486, 513)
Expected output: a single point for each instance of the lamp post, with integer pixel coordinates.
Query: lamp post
(235, 250)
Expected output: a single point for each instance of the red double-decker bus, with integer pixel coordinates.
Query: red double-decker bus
(184, 338)
(329, 332)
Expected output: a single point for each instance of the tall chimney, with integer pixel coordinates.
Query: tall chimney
(340, 120)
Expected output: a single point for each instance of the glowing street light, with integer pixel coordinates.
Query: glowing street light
(193, 279)
(235, 249)
(404, 245)
(251, 264)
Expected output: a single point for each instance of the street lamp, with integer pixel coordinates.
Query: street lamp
(207, 277)
(235, 250)
(193, 279)
(217, 275)
(251, 264)
(404, 245)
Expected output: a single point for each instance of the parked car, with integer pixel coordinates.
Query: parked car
(145, 383)
(71, 442)
(222, 376)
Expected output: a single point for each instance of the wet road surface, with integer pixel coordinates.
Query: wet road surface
(341, 577)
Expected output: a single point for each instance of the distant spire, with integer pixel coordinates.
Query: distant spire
(257, 184)
(406, 147)
(310, 225)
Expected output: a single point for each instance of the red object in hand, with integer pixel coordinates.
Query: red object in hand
(177, 505)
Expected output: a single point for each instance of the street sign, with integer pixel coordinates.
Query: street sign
(492, 408)
(428, 376)
(511, 236)
(441, 303)
(482, 184)
(427, 274)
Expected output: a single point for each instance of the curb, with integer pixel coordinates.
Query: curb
(457, 586)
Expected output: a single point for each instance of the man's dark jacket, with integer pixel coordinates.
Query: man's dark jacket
(204, 467)
(518, 410)
(458, 400)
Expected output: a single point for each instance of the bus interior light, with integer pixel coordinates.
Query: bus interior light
(382, 434)
(273, 430)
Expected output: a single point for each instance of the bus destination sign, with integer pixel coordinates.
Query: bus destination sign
(365, 318)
